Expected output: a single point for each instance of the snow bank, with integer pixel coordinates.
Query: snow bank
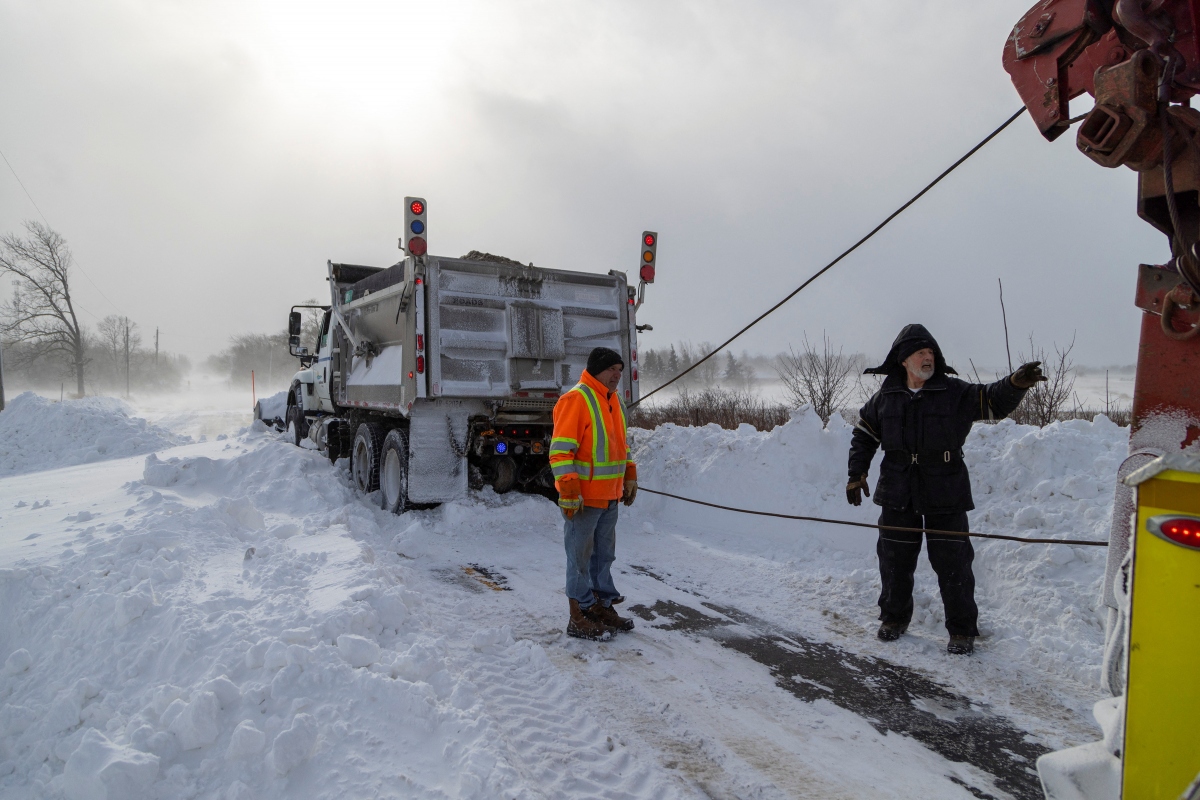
(245, 632)
(273, 408)
(1041, 603)
(38, 434)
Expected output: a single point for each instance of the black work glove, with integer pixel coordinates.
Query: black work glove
(1027, 375)
(855, 491)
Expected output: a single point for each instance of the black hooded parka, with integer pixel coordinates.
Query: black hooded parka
(922, 433)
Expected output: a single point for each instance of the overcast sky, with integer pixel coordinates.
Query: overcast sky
(204, 159)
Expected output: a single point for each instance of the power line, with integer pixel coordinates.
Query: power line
(845, 253)
(1081, 542)
(48, 225)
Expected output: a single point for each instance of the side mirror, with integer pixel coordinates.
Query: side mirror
(294, 325)
(293, 342)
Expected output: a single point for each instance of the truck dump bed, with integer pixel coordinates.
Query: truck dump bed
(500, 330)
(484, 330)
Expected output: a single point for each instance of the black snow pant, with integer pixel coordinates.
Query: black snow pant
(950, 557)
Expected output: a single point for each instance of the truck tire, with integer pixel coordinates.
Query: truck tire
(297, 421)
(364, 456)
(393, 472)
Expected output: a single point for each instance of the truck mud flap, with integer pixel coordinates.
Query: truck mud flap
(437, 441)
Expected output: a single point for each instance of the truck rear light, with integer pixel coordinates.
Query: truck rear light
(421, 364)
(417, 246)
(521, 394)
(627, 395)
(420, 341)
(633, 355)
(410, 373)
(1179, 530)
(635, 373)
(550, 394)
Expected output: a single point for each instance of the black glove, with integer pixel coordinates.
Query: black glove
(1027, 375)
(855, 490)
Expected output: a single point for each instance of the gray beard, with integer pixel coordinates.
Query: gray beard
(923, 374)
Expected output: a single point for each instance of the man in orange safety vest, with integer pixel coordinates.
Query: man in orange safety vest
(589, 455)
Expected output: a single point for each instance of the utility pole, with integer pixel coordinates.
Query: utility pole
(1, 377)
(126, 358)
(156, 347)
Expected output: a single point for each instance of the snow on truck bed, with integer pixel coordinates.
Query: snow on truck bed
(229, 619)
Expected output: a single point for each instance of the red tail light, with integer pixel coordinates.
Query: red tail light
(1180, 530)
(421, 364)
(635, 373)
(416, 246)
(420, 341)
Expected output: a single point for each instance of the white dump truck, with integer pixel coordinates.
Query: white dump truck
(437, 374)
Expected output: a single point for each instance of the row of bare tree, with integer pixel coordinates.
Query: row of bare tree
(823, 376)
(45, 341)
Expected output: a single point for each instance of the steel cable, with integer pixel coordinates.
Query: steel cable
(877, 526)
(845, 253)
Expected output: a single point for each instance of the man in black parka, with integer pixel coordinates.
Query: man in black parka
(921, 417)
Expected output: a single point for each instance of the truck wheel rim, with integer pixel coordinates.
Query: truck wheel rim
(391, 478)
(361, 467)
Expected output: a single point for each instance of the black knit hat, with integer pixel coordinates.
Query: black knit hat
(601, 359)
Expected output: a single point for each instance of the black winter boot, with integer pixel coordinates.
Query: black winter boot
(891, 631)
(961, 645)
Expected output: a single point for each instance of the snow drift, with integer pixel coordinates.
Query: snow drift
(240, 623)
(1042, 601)
(38, 434)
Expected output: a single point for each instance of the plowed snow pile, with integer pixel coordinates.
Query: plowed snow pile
(38, 434)
(1055, 482)
(230, 620)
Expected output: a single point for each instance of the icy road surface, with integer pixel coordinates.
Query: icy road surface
(228, 619)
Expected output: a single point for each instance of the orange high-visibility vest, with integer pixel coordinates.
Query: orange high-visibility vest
(590, 442)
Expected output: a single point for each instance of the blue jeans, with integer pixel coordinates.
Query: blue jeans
(591, 541)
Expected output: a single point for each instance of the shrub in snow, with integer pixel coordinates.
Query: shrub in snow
(357, 651)
(292, 747)
(197, 724)
(101, 770)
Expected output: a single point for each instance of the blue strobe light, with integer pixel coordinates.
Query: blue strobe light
(417, 226)
(501, 448)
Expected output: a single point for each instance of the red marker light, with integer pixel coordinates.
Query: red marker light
(418, 208)
(421, 364)
(1180, 530)
(649, 240)
(416, 246)
(420, 341)
(635, 377)
(410, 373)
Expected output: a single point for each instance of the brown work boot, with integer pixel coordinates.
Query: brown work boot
(891, 631)
(582, 625)
(961, 645)
(608, 616)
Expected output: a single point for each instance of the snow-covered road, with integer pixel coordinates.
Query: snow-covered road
(228, 619)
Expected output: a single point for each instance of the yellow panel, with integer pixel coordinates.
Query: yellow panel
(1161, 751)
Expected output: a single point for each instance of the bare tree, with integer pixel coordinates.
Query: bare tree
(820, 378)
(1048, 401)
(120, 345)
(41, 312)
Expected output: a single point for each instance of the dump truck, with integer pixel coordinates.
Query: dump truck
(438, 374)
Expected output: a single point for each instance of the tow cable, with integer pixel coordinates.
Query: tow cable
(877, 526)
(845, 253)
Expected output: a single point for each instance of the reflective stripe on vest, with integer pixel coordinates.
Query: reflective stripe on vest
(601, 468)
